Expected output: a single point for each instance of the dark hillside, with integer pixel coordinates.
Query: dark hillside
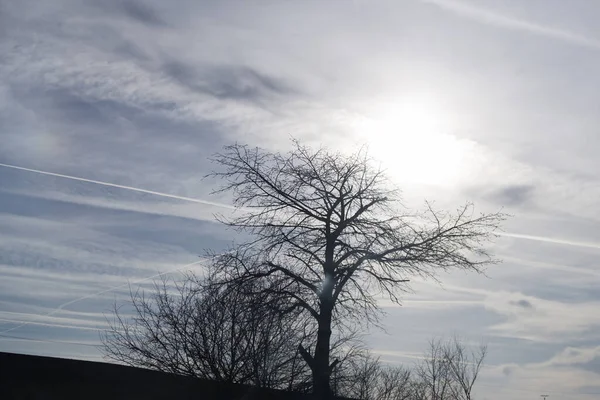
(36, 377)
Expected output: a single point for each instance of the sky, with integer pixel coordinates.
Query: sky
(109, 111)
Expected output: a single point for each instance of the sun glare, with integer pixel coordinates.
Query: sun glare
(412, 140)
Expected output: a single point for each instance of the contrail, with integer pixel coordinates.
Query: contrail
(75, 178)
(551, 240)
(5, 337)
(68, 303)
(491, 18)
(77, 327)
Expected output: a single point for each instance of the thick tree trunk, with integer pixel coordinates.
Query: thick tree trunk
(321, 369)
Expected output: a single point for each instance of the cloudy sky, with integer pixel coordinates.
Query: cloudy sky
(495, 102)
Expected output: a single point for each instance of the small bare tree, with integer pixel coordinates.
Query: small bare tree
(395, 383)
(364, 377)
(198, 328)
(419, 390)
(360, 377)
(330, 234)
(450, 369)
(465, 365)
(435, 373)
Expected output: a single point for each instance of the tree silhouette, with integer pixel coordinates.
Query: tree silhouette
(329, 234)
(449, 370)
(196, 327)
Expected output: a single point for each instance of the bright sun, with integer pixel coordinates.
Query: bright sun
(411, 139)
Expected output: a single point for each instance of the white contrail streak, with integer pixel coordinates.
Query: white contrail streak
(53, 325)
(21, 338)
(491, 18)
(68, 303)
(75, 178)
(551, 240)
(206, 202)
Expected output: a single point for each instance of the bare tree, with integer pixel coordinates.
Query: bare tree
(359, 377)
(364, 377)
(464, 365)
(395, 383)
(418, 390)
(435, 373)
(199, 328)
(331, 234)
(450, 369)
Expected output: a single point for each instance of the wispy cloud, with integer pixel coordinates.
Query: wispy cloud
(111, 289)
(135, 206)
(503, 21)
(140, 12)
(565, 374)
(75, 178)
(75, 325)
(541, 320)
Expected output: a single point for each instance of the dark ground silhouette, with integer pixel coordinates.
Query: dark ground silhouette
(36, 377)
